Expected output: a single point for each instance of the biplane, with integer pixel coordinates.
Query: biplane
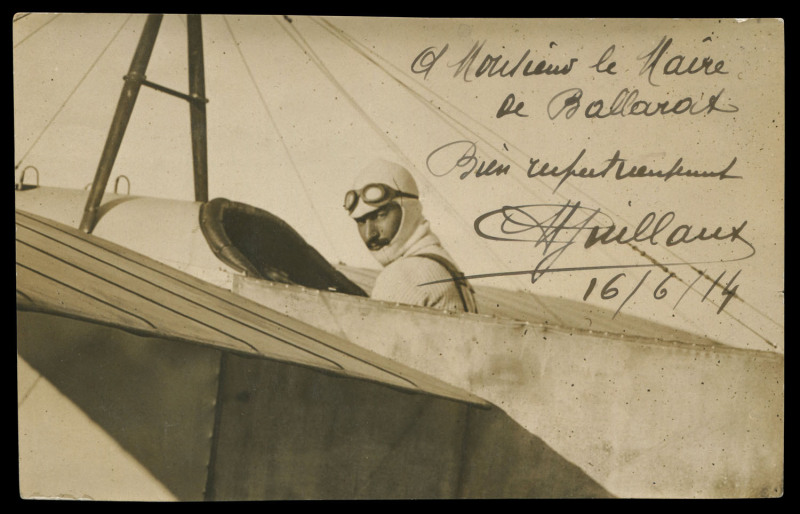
(203, 349)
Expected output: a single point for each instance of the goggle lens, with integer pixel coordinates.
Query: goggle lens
(350, 200)
(372, 194)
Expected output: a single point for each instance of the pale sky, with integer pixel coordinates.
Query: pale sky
(296, 109)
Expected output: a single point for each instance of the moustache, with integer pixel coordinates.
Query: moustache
(377, 243)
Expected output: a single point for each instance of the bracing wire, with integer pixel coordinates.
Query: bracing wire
(448, 119)
(278, 131)
(365, 52)
(19, 17)
(69, 97)
(43, 25)
(443, 113)
(402, 78)
(306, 47)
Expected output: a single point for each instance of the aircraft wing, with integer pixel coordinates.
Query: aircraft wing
(62, 271)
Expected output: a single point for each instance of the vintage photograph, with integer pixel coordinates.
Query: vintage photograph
(279, 257)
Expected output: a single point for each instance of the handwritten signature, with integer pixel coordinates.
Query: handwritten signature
(549, 224)
(556, 228)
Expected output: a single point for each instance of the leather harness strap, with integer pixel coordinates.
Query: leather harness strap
(461, 283)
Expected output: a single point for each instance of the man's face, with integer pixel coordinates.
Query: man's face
(379, 227)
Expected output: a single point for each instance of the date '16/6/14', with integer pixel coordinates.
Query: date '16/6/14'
(611, 290)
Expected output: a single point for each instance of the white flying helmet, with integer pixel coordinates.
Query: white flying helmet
(379, 183)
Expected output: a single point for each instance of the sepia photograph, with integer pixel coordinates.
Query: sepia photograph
(271, 257)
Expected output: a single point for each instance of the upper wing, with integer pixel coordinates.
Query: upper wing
(64, 271)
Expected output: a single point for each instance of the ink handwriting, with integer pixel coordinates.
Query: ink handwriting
(552, 230)
(510, 107)
(601, 66)
(547, 224)
(426, 59)
(462, 155)
(660, 61)
(555, 228)
(677, 65)
(627, 103)
(622, 170)
(477, 63)
(611, 289)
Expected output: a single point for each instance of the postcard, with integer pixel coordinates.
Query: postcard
(269, 257)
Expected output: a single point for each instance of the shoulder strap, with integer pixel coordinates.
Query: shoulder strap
(465, 291)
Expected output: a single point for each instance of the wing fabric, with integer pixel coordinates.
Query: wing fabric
(64, 271)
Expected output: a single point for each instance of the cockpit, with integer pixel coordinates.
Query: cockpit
(261, 245)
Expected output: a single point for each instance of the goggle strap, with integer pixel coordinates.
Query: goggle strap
(387, 194)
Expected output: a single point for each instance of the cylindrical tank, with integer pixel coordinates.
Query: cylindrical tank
(166, 230)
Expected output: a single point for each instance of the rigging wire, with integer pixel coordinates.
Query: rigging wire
(31, 387)
(280, 134)
(460, 127)
(74, 90)
(40, 27)
(352, 42)
(362, 49)
(365, 51)
(443, 113)
(306, 47)
(438, 111)
(23, 15)
(454, 124)
(428, 105)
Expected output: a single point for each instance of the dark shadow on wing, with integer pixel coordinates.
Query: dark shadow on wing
(211, 424)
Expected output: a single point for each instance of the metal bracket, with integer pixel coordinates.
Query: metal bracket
(20, 186)
(116, 184)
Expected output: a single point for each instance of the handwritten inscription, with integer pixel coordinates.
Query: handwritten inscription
(610, 289)
(510, 106)
(462, 156)
(682, 234)
(623, 170)
(548, 224)
(659, 61)
(678, 65)
(627, 103)
(603, 65)
(478, 63)
(555, 228)
(496, 64)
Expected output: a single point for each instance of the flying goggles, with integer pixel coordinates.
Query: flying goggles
(375, 195)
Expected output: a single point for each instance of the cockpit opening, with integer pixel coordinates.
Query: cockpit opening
(261, 245)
